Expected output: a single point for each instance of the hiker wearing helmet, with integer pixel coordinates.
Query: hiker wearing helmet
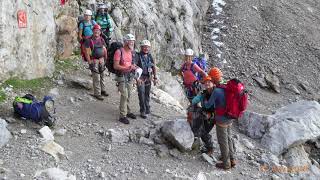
(123, 63)
(103, 19)
(96, 53)
(202, 125)
(223, 122)
(188, 71)
(85, 30)
(145, 61)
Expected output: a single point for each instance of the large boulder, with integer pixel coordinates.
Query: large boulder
(5, 135)
(27, 52)
(290, 126)
(179, 133)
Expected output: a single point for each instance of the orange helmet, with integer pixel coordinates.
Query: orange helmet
(207, 78)
(215, 74)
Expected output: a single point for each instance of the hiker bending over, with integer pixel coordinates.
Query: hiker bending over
(202, 125)
(96, 53)
(123, 63)
(103, 19)
(145, 61)
(189, 70)
(85, 31)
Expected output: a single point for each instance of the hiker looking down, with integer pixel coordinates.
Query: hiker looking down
(203, 125)
(85, 30)
(96, 53)
(189, 70)
(103, 19)
(123, 63)
(145, 61)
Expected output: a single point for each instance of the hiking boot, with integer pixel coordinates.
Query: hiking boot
(132, 116)
(233, 163)
(124, 120)
(222, 166)
(142, 115)
(148, 112)
(104, 93)
(99, 97)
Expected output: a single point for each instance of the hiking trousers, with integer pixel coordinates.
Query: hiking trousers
(98, 80)
(226, 144)
(144, 96)
(202, 127)
(124, 87)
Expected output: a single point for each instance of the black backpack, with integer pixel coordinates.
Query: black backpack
(112, 49)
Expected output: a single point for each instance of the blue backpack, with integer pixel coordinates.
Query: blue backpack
(40, 112)
(202, 63)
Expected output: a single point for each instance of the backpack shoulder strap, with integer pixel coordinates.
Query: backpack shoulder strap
(192, 69)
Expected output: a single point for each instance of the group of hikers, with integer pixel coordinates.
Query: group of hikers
(212, 98)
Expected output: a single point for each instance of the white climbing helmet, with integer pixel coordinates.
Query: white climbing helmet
(188, 52)
(129, 37)
(138, 73)
(88, 12)
(145, 43)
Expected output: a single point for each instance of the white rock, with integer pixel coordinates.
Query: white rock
(60, 132)
(55, 174)
(201, 176)
(23, 131)
(293, 125)
(207, 158)
(146, 141)
(5, 135)
(46, 133)
(247, 143)
(179, 133)
(290, 126)
(118, 136)
(163, 97)
(53, 149)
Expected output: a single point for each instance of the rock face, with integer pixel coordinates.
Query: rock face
(289, 126)
(4, 133)
(179, 133)
(170, 25)
(27, 52)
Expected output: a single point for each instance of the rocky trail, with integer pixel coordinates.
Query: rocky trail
(82, 129)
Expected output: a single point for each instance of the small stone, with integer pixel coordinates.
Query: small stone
(102, 174)
(274, 177)
(108, 148)
(22, 175)
(247, 143)
(72, 100)
(23, 131)
(60, 132)
(174, 153)
(60, 82)
(54, 92)
(89, 160)
(207, 158)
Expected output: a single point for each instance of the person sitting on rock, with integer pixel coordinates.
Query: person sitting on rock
(188, 71)
(145, 61)
(96, 53)
(85, 31)
(204, 124)
(103, 19)
(223, 123)
(123, 62)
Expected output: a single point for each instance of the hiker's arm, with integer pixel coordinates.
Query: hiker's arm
(211, 102)
(105, 53)
(199, 70)
(80, 31)
(197, 99)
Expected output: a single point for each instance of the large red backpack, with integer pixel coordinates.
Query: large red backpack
(236, 99)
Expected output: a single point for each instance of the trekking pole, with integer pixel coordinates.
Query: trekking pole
(29, 5)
